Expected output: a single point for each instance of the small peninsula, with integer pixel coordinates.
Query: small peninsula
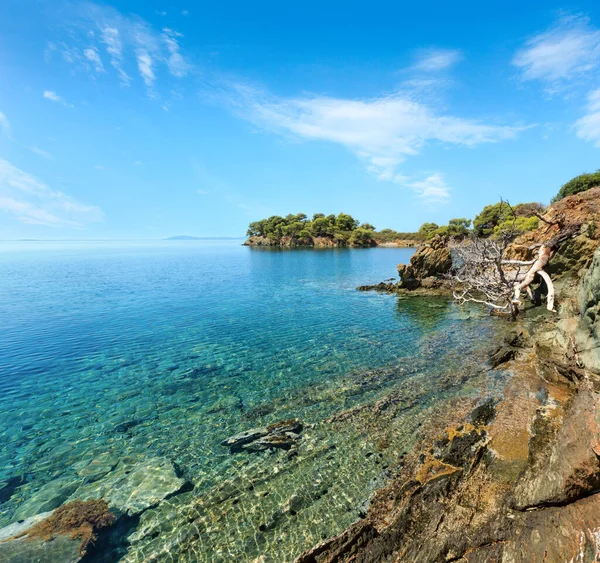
(335, 231)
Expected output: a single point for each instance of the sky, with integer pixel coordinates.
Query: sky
(147, 119)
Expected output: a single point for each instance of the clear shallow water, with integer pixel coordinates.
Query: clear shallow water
(186, 343)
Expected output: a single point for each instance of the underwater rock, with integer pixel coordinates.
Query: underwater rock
(48, 497)
(133, 487)
(7, 488)
(283, 434)
(97, 467)
(22, 526)
(244, 437)
(62, 549)
(284, 440)
(294, 425)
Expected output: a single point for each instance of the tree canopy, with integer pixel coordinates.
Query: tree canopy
(342, 228)
(578, 184)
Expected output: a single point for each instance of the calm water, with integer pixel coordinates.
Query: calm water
(185, 343)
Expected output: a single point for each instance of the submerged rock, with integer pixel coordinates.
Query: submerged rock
(62, 549)
(244, 437)
(133, 487)
(283, 434)
(48, 497)
(8, 487)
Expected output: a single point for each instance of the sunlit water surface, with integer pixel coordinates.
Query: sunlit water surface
(165, 349)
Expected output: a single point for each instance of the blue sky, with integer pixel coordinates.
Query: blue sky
(150, 119)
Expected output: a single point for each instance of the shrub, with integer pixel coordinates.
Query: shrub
(578, 184)
(361, 236)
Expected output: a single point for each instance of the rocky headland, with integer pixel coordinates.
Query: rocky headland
(517, 477)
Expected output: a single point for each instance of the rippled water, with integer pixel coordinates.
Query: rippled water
(165, 349)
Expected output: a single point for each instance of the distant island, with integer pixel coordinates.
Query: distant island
(188, 237)
(322, 230)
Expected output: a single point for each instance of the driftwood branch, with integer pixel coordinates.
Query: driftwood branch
(484, 274)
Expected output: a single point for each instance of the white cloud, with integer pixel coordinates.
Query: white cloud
(5, 125)
(568, 50)
(92, 55)
(126, 40)
(382, 132)
(31, 201)
(144, 61)
(42, 153)
(54, 97)
(432, 60)
(112, 41)
(202, 192)
(176, 63)
(588, 127)
(431, 190)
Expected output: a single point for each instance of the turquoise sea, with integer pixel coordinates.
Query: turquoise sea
(116, 353)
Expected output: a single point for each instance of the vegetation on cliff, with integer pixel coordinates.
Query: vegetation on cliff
(579, 184)
(322, 230)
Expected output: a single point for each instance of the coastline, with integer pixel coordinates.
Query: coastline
(511, 477)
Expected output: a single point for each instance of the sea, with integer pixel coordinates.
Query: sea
(129, 352)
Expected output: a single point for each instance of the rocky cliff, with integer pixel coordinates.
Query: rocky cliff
(514, 477)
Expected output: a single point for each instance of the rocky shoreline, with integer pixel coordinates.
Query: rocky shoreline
(513, 479)
(324, 242)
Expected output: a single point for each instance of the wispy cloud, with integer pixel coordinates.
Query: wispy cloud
(110, 36)
(128, 42)
(42, 153)
(588, 127)
(5, 125)
(33, 202)
(54, 97)
(383, 132)
(432, 189)
(569, 50)
(176, 63)
(92, 55)
(433, 60)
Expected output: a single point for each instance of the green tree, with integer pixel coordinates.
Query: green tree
(361, 237)
(578, 184)
(256, 229)
(345, 222)
(490, 217)
(321, 227)
(367, 227)
(427, 228)
(293, 229)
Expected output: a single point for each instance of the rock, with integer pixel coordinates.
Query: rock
(48, 497)
(588, 329)
(22, 525)
(244, 437)
(7, 488)
(283, 440)
(134, 487)
(430, 262)
(501, 356)
(283, 434)
(60, 550)
(563, 463)
(294, 425)
(97, 467)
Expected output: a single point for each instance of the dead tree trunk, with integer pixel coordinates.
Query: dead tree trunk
(546, 251)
